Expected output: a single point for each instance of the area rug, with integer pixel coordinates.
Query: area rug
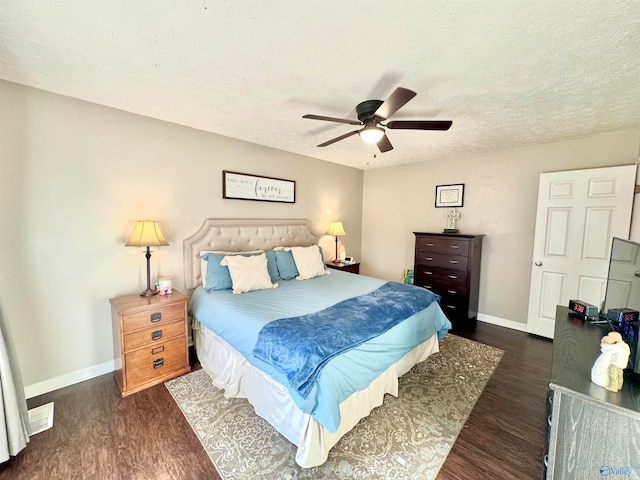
(408, 437)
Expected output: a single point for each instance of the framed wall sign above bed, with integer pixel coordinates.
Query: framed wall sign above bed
(243, 186)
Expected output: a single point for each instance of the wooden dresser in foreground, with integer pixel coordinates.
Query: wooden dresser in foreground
(449, 265)
(593, 433)
(149, 340)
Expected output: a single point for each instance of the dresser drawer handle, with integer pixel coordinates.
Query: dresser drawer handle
(156, 334)
(453, 261)
(452, 307)
(428, 273)
(429, 244)
(157, 350)
(452, 292)
(454, 246)
(155, 317)
(429, 259)
(452, 276)
(158, 363)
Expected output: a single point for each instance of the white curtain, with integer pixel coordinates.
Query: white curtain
(14, 416)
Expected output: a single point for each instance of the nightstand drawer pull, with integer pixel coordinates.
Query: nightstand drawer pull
(429, 244)
(452, 307)
(155, 317)
(428, 273)
(156, 334)
(454, 246)
(452, 292)
(453, 261)
(157, 350)
(452, 276)
(158, 363)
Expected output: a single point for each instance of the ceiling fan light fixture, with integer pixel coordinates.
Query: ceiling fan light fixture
(371, 134)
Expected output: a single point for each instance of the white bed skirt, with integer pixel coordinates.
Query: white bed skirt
(230, 371)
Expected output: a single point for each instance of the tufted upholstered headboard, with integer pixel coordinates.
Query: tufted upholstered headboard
(240, 235)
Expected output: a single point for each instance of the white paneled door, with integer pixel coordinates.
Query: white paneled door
(578, 214)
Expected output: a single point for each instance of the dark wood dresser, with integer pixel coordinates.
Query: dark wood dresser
(593, 433)
(449, 265)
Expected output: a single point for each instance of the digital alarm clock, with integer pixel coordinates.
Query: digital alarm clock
(622, 315)
(583, 309)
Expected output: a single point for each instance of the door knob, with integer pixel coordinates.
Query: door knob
(538, 263)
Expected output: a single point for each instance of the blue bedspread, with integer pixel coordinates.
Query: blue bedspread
(300, 346)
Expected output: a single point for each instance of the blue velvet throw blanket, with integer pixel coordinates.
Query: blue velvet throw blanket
(300, 346)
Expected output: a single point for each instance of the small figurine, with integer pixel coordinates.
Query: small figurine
(607, 370)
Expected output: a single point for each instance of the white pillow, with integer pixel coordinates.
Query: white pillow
(248, 273)
(308, 262)
(203, 263)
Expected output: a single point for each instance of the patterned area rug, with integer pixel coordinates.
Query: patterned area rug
(408, 437)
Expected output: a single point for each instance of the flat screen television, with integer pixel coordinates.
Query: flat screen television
(623, 280)
(623, 290)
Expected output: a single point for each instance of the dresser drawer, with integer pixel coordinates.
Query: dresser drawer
(455, 309)
(443, 245)
(158, 360)
(439, 277)
(153, 335)
(452, 292)
(160, 315)
(434, 259)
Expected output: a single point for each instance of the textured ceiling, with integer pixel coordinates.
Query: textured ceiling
(508, 73)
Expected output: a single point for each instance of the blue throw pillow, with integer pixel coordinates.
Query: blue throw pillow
(286, 264)
(272, 266)
(218, 276)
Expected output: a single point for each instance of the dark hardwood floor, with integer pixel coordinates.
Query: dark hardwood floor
(99, 435)
(504, 437)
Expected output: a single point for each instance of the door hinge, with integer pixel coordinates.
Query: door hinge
(637, 189)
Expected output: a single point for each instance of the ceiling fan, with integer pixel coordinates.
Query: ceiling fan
(371, 114)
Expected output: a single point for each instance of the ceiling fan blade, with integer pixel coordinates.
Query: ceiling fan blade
(384, 144)
(395, 101)
(332, 119)
(420, 124)
(337, 139)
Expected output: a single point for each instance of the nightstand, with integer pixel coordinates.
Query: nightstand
(149, 340)
(345, 267)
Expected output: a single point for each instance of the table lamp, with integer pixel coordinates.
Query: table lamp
(336, 230)
(147, 234)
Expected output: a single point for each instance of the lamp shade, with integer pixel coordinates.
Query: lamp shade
(336, 229)
(147, 234)
(371, 135)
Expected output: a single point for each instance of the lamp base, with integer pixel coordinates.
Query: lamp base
(148, 293)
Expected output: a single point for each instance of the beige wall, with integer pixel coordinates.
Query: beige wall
(74, 178)
(500, 201)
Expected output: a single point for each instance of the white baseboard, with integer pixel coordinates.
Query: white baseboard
(68, 379)
(502, 322)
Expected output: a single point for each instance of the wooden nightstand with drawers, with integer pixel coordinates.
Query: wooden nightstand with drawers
(345, 267)
(149, 340)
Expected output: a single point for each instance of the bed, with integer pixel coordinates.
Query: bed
(315, 404)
